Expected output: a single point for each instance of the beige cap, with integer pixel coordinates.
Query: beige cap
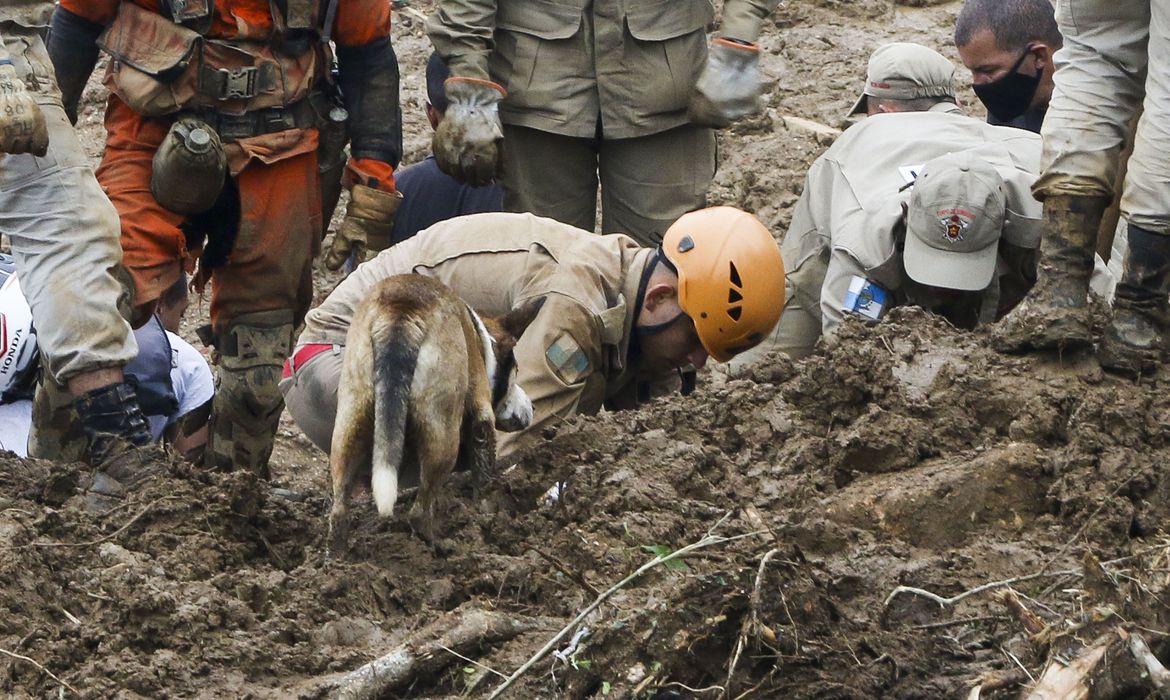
(902, 71)
(954, 223)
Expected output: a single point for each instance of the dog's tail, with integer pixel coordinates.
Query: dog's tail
(395, 359)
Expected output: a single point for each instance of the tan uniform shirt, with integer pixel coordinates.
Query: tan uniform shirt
(848, 221)
(26, 13)
(572, 65)
(574, 357)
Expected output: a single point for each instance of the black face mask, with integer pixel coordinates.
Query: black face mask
(1011, 95)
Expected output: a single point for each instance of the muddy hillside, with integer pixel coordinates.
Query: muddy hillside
(905, 514)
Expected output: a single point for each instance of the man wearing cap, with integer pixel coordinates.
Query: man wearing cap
(619, 320)
(920, 206)
(904, 77)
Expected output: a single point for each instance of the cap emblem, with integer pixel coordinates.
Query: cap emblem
(954, 223)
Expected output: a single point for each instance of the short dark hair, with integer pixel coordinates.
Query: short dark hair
(437, 74)
(176, 293)
(1013, 23)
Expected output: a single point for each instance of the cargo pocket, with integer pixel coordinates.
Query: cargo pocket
(521, 30)
(670, 39)
(153, 68)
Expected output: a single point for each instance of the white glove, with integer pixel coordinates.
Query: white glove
(729, 86)
(468, 144)
(22, 124)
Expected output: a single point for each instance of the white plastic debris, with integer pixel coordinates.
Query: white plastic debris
(554, 493)
(571, 649)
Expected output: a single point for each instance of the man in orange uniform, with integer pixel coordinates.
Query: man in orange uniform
(222, 116)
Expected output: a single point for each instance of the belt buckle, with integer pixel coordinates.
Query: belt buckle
(274, 120)
(236, 83)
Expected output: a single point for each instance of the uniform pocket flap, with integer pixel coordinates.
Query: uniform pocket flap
(667, 19)
(148, 41)
(540, 18)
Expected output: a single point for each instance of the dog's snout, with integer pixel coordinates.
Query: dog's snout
(515, 411)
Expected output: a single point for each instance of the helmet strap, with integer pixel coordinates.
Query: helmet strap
(651, 265)
(657, 328)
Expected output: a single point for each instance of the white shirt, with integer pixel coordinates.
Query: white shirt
(190, 375)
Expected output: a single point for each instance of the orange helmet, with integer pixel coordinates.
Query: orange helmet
(730, 277)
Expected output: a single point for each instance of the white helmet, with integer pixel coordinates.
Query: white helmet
(18, 340)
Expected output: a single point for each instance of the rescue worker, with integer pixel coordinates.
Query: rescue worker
(220, 118)
(619, 319)
(562, 97)
(171, 379)
(905, 77)
(919, 205)
(1008, 45)
(1115, 55)
(64, 236)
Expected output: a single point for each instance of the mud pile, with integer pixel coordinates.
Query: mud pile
(903, 455)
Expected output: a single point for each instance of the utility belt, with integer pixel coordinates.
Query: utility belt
(313, 111)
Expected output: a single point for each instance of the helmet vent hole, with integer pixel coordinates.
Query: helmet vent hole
(735, 312)
(735, 280)
(733, 296)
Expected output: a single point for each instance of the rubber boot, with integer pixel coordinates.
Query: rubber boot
(1055, 314)
(246, 410)
(1133, 343)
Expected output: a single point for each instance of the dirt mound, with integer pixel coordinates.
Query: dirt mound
(905, 455)
(902, 455)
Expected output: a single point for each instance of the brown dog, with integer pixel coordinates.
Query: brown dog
(424, 380)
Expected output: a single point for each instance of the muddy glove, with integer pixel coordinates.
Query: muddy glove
(22, 124)
(369, 219)
(729, 86)
(469, 140)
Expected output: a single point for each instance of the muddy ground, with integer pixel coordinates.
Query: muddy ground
(903, 455)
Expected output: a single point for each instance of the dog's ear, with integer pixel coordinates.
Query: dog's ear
(520, 317)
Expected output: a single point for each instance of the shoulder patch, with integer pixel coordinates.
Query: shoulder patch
(567, 359)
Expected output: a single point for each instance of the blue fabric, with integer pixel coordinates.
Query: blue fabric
(429, 196)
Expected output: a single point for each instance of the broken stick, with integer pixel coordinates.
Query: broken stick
(426, 652)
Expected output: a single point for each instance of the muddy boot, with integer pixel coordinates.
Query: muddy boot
(120, 444)
(1133, 343)
(56, 431)
(247, 405)
(1055, 314)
